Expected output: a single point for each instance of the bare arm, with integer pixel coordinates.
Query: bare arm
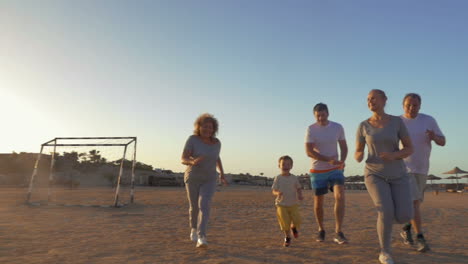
(402, 153)
(219, 164)
(359, 154)
(299, 194)
(315, 155)
(406, 150)
(276, 192)
(439, 140)
(343, 150)
(188, 160)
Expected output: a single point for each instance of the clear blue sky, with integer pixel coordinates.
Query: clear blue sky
(149, 68)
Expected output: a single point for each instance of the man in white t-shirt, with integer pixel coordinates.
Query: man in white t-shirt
(322, 139)
(423, 129)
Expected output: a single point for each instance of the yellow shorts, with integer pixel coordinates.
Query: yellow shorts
(288, 215)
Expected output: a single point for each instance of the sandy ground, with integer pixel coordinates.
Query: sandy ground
(243, 229)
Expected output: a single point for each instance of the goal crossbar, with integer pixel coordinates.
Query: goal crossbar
(53, 143)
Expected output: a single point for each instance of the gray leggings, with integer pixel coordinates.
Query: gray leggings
(199, 196)
(392, 199)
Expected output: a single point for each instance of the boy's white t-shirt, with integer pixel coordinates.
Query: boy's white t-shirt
(326, 140)
(288, 185)
(418, 162)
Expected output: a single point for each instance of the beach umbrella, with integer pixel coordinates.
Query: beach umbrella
(465, 176)
(455, 171)
(433, 177)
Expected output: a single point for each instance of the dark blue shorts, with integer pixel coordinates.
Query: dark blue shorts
(321, 182)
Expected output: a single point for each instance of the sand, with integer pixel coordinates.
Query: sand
(243, 229)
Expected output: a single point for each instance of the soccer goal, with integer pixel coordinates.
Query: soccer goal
(84, 171)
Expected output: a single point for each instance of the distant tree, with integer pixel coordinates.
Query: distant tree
(94, 156)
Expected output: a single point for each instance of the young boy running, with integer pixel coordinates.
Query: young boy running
(287, 189)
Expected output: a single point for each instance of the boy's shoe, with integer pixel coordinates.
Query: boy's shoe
(340, 238)
(421, 244)
(385, 258)
(295, 232)
(320, 236)
(201, 242)
(287, 241)
(193, 235)
(407, 237)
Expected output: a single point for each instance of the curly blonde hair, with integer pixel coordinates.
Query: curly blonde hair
(203, 118)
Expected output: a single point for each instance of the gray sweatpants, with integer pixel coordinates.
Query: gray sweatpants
(393, 201)
(199, 196)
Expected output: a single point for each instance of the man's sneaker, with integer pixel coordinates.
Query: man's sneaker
(407, 237)
(340, 238)
(385, 258)
(421, 244)
(201, 242)
(287, 241)
(295, 232)
(320, 236)
(193, 235)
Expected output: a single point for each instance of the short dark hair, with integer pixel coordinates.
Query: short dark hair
(412, 95)
(320, 107)
(285, 157)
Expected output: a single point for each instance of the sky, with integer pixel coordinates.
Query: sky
(149, 68)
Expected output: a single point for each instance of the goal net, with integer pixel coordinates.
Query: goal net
(84, 171)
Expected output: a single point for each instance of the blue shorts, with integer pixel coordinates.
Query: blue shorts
(322, 181)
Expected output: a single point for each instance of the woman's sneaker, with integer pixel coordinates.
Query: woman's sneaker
(421, 244)
(201, 242)
(193, 235)
(385, 258)
(320, 236)
(340, 238)
(407, 237)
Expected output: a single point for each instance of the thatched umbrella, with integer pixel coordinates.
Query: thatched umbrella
(465, 176)
(455, 171)
(433, 177)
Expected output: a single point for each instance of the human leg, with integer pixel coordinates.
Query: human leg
(206, 194)
(380, 193)
(284, 220)
(193, 190)
(296, 220)
(402, 199)
(339, 193)
(318, 210)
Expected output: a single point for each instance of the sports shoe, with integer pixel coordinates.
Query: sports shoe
(385, 258)
(421, 244)
(295, 232)
(193, 235)
(287, 241)
(320, 236)
(407, 237)
(201, 242)
(340, 238)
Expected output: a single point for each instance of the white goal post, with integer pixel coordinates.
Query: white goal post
(124, 142)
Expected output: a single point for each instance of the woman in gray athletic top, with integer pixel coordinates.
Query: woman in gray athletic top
(201, 155)
(385, 173)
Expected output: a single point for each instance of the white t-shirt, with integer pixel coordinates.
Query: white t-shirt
(418, 162)
(288, 185)
(325, 139)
